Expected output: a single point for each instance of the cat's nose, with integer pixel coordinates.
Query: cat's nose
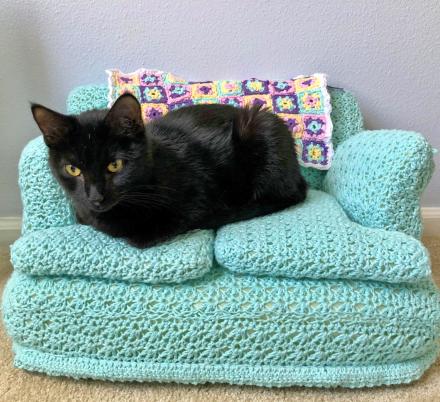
(97, 200)
(95, 197)
(97, 203)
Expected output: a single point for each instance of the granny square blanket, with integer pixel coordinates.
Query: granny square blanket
(302, 102)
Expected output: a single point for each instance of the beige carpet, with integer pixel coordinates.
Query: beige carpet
(18, 385)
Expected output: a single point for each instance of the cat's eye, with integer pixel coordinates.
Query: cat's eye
(72, 170)
(115, 166)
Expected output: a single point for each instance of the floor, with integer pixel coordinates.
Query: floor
(18, 385)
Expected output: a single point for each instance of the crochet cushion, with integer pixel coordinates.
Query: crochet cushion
(302, 102)
(224, 327)
(80, 250)
(317, 240)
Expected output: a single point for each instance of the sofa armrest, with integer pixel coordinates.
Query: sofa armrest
(378, 177)
(44, 203)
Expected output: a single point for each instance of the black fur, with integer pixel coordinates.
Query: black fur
(197, 167)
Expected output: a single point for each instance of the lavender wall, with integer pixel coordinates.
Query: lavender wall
(387, 54)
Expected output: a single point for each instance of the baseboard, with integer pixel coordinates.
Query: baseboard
(10, 225)
(9, 229)
(431, 221)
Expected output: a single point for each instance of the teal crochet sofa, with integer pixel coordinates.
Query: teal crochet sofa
(334, 292)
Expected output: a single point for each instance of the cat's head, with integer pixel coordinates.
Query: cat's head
(98, 155)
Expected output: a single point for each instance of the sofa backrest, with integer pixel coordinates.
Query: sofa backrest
(346, 117)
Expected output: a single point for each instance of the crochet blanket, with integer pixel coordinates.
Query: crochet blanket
(302, 102)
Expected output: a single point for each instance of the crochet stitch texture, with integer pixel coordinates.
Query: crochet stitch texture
(225, 327)
(92, 253)
(317, 240)
(322, 294)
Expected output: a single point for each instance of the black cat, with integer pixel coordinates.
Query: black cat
(197, 167)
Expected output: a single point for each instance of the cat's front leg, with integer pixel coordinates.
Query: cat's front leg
(83, 216)
(149, 237)
(79, 219)
(140, 242)
(145, 241)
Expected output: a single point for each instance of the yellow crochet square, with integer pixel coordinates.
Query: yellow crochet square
(204, 90)
(295, 124)
(119, 78)
(265, 100)
(306, 83)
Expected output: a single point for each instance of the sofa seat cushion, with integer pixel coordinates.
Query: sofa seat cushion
(317, 240)
(224, 327)
(79, 250)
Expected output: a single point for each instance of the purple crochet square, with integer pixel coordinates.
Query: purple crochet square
(315, 152)
(236, 101)
(150, 78)
(315, 127)
(156, 111)
(177, 92)
(285, 104)
(281, 87)
(255, 86)
(153, 94)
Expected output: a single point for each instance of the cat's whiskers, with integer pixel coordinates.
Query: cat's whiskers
(144, 199)
(152, 187)
(143, 203)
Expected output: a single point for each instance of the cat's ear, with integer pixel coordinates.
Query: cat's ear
(54, 126)
(125, 116)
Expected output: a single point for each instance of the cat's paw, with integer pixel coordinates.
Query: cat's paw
(141, 242)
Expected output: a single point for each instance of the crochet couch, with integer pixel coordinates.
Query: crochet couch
(334, 292)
